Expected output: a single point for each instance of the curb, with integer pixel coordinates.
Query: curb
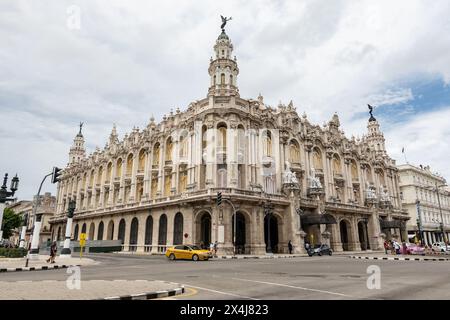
(399, 258)
(258, 257)
(149, 295)
(51, 267)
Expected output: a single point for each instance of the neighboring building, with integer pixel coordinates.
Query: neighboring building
(22, 208)
(46, 207)
(420, 184)
(158, 186)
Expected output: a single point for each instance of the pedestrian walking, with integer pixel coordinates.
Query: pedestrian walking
(386, 246)
(290, 247)
(396, 247)
(215, 248)
(53, 250)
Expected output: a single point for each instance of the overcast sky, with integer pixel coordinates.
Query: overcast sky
(129, 60)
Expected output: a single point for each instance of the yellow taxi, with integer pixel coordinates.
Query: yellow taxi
(188, 252)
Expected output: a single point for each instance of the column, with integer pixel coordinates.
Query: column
(34, 252)
(133, 176)
(65, 252)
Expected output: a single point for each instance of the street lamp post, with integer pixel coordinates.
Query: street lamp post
(65, 252)
(4, 194)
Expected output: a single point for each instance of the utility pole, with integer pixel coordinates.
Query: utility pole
(65, 252)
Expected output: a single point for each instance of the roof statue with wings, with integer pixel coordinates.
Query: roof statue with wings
(372, 118)
(224, 22)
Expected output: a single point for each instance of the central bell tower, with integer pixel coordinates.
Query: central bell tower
(223, 70)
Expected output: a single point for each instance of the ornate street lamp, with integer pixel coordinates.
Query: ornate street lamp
(268, 213)
(4, 194)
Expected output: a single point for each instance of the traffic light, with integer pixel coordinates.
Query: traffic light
(55, 174)
(219, 198)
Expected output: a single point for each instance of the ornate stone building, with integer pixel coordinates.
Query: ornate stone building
(46, 206)
(287, 178)
(419, 188)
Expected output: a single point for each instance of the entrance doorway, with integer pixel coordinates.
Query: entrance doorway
(271, 230)
(240, 232)
(343, 226)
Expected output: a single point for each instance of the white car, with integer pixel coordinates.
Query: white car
(439, 247)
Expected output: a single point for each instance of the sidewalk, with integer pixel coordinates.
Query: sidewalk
(18, 264)
(88, 290)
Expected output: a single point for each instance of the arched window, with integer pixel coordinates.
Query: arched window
(183, 146)
(108, 173)
(336, 165)
(83, 228)
(162, 232)
(167, 184)
(110, 234)
(129, 164)
(119, 168)
(317, 159)
(215, 80)
(149, 230)
(134, 233)
(354, 171)
(169, 148)
(100, 175)
(294, 152)
(231, 79)
(75, 232)
(182, 185)
(222, 78)
(222, 138)
(267, 143)
(91, 231)
(91, 178)
(100, 231)
(156, 155)
(142, 158)
(121, 235)
(154, 186)
(178, 229)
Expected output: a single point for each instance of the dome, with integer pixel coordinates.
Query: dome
(223, 36)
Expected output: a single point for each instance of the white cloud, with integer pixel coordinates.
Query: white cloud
(133, 59)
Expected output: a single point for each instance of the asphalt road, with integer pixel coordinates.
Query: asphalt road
(335, 277)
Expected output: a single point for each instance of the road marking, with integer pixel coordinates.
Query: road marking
(294, 287)
(192, 292)
(220, 292)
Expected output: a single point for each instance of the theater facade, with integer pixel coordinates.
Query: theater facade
(282, 178)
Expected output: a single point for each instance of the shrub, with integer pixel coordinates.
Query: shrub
(13, 252)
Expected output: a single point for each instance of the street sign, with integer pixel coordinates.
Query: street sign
(82, 243)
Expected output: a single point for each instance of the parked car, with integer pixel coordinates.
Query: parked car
(187, 252)
(439, 247)
(320, 250)
(412, 248)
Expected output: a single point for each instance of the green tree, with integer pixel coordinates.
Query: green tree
(11, 221)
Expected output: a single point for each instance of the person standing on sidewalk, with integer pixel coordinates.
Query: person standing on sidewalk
(386, 246)
(215, 249)
(53, 250)
(290, 247)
